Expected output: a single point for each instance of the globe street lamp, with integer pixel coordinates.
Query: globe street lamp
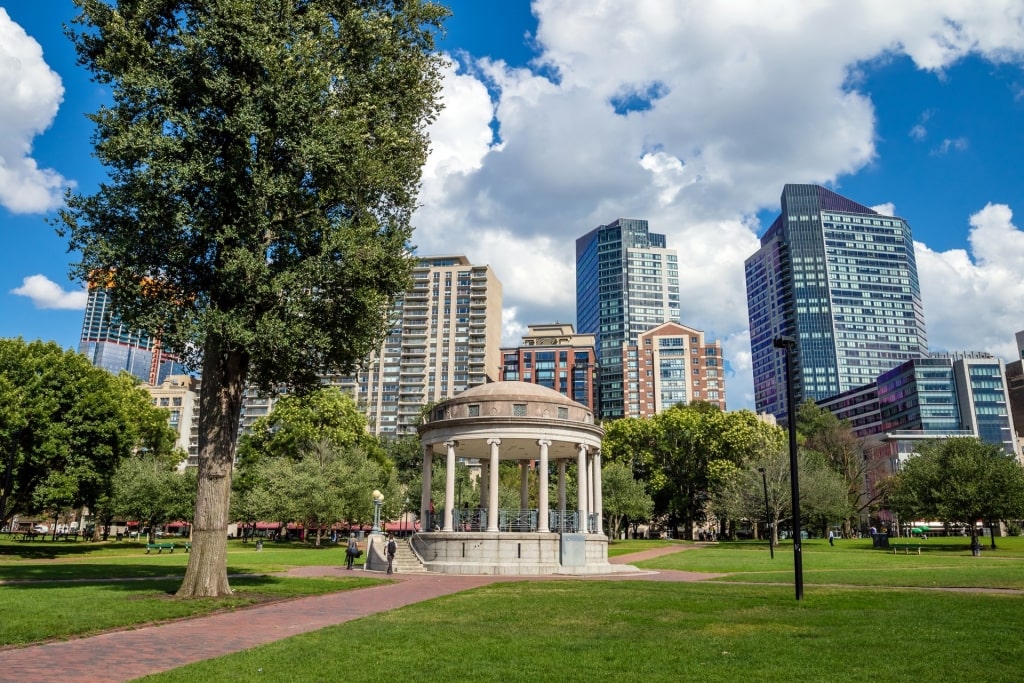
(378, 501)
(788, 344)
(767, 513)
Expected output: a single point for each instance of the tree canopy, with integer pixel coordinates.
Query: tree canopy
(64, 427)
(678, 453)
(960, 480)
(264, 159)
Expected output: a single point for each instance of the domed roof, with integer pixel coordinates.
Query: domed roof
(519, 391)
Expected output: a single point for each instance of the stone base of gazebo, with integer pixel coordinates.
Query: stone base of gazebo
(515, 554)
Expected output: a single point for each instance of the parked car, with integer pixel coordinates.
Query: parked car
(41, 529)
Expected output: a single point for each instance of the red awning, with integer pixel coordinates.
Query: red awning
(401, 526)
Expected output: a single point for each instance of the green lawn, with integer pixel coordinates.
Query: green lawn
(650, 631)
(942, 563)
(36, 606)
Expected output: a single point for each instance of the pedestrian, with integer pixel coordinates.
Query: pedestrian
(975, 546)
(831, 538)
(351, 552)
(391, 549)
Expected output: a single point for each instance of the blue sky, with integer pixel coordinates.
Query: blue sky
(564, 114)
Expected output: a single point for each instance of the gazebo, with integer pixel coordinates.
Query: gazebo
(530, 425)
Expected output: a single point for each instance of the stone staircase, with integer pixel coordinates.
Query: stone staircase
(406, 561)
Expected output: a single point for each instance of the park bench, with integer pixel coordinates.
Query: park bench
(907, 547)
(159, 547)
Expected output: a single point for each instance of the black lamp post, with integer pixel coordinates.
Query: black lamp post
(767, 513)
(788, 344)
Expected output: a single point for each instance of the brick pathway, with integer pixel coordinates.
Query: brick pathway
(128, 654)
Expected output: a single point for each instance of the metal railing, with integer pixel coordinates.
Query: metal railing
(564, 522)
(517, 520)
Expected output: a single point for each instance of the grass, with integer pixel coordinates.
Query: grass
(43, 611)
(635, 630)
(37, 606)
(63, 560)
(624, 547)
(942, 563)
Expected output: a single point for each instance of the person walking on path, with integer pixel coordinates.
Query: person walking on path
(351, 552)
(391, 549)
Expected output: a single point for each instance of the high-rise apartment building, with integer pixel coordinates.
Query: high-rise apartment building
(839, 279)
(671, 364)
(445, 337)
(179, 395)
(1015, 384)
(556, 357)
(110, 344)
(627, 281)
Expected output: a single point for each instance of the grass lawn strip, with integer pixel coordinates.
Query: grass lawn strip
(627, 631)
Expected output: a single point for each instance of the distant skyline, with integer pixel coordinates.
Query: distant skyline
(562, 115)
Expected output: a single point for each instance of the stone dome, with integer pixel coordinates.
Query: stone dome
(511, 400)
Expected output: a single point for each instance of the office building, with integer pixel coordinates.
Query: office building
(671, 364)
(839, 279)
(942, 396)
(445, 338)
(627, 281)
(1015, 385)
(554, 356)
(111, 345)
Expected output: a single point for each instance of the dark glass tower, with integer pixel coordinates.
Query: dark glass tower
(627, 282)
(841, 279)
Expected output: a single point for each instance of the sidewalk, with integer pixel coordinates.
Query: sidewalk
(124, 655)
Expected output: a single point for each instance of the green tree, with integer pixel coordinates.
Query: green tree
(681, 454)
(624, 498)
(264, 160)
(148, 489)
(299, 421)
(65, 426)
(958, 481)
(824, 433)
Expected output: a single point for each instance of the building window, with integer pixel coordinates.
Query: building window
(519, 409)
(563, 413)
(474, 411)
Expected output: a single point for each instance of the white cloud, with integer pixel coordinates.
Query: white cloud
(30, 93)
(738, 98)
(45, 293)
(986, 284)
(956, 144)
(919, 132)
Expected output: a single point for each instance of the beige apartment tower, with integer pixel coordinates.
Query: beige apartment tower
(445, 338)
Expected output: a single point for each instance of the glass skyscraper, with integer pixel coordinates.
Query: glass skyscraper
(627, 282)
(110, 344)
(841, 280)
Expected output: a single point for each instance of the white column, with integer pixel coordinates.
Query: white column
(428, 463)
(524, 485)
(492, 489)
(581, 486)
(590, 487)
(598, 499)
(449, 485)
(542, 491)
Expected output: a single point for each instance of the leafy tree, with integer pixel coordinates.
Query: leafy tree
(264, 160)
(300, 421)
(824, 433)
(680, 454)
(623, 498)
(959, 480)
(65, 426)
(150, 490)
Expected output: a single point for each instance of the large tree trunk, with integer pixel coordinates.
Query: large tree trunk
(220, 403)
